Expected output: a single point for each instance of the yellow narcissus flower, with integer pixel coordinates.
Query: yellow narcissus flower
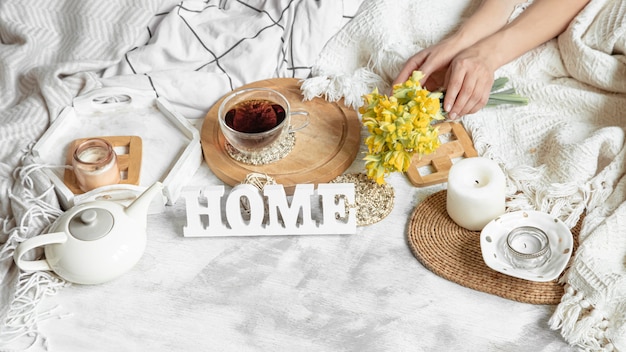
(402, 125)
(399, 127)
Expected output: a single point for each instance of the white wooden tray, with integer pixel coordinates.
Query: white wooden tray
(171, 145)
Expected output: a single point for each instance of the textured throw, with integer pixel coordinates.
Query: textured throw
(49, 53)
(190, 52)
(564, 153)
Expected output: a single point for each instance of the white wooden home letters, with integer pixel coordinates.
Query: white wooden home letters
(328, 210)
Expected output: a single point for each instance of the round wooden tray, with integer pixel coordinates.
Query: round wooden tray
(323, 150)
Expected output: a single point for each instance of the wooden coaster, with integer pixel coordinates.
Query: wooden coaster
(441, 160)
(454, 253)
(129, 162)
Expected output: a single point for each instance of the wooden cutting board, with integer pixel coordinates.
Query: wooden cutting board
(323, 150)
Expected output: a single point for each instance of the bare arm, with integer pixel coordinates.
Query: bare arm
(490, 16)
(470, 75)
(542, 21)
(468, 72)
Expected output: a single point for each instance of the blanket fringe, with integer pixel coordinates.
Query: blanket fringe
(333, 88)
(34, 205)
(581, 324)
(20, 325)
(567, 201)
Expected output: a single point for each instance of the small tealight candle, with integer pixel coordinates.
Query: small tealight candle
(476, 192)
(527, 247)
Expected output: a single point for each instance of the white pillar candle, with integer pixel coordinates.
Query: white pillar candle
(476, 192)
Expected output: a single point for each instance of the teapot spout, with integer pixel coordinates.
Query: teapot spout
(138, 209)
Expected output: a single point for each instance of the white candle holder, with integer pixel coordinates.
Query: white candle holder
(527, 247)
(496, 245)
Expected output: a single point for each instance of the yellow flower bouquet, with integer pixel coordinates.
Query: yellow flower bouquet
(404, 124)
(400, 126)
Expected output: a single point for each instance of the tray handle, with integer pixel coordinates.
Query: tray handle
(109, 98)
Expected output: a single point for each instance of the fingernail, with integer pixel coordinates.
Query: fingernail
(448, 107)
(453, 116)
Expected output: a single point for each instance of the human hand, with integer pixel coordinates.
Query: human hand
(465, 75)
(432, 62)
(468, 83)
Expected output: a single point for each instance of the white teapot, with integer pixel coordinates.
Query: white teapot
(93, 242)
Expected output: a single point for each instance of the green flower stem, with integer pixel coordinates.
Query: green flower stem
(499, 83)
(500, 99)
(506, 96)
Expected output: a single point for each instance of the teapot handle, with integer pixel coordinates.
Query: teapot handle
(32, 243)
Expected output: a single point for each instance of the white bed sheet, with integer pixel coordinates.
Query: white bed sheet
(361, 292)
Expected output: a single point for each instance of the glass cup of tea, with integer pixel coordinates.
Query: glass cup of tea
(253, 119)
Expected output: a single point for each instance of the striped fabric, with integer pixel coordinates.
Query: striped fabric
(49, 52)
(201, 50)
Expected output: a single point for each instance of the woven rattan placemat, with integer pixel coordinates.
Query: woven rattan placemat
(453, 253)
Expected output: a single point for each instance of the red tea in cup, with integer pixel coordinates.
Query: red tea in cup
(255, 116)
(253, 119)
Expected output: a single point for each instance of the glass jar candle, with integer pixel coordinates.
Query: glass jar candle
(95, 164)
(527, 247)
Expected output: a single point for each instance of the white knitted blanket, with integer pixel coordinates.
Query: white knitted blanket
(564, 153)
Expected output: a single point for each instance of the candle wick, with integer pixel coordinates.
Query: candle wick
(477, 182)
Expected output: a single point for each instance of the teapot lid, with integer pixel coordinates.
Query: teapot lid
(91, 224)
